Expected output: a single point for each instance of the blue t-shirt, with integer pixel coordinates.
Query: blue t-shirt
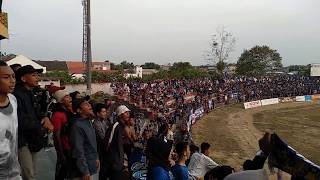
(180, 172)
(158, 173)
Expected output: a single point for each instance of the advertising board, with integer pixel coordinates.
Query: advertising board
(252, 104)
(265, 102)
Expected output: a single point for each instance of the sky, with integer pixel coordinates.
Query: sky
(162, 31)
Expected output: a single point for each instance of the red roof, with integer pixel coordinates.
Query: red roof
(75, 67)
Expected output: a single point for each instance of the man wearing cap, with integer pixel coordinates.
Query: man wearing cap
(33, 125)
(115, 151)
(62, 119)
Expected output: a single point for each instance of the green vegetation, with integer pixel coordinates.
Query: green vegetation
(258, 61)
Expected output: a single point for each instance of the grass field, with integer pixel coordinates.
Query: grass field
(234, 132)
(299, 126)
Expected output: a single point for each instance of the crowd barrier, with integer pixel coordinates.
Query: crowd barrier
(264, 102)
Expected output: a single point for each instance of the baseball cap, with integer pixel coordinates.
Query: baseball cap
(28, 69)
(122, 109)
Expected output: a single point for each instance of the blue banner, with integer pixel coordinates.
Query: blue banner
(308, 98)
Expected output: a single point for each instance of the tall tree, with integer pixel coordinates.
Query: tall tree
(258, 60)
(221, 45)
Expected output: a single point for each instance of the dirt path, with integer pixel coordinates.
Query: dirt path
(232, 134)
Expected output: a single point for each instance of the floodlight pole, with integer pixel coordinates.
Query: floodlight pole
(86, 46)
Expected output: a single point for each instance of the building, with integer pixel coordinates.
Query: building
(4, 33)
(78, 68)
(20, 59)
(149, 71)
(101, 66)
(54, 65)
(136, 74)
(315, 70)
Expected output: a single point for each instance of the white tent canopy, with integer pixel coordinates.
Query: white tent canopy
(20, 59)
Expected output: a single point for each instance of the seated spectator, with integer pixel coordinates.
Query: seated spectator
(193, 149)
(201, 163)
(180, 170)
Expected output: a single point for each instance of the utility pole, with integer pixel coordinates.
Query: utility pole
(86, 43)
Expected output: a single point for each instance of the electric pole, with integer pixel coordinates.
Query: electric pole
(86, 43)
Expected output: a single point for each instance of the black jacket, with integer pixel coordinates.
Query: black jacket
(115, 153)
(30, 130)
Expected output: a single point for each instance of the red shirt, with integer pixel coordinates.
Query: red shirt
(59, 119)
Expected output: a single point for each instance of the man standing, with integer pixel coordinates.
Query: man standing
(201, 163)
(115, 151)
(9, 165)
(84, 144)
(33, 125)
(101, 124)
(62, 120)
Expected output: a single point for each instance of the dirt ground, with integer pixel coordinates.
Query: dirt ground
(233, 131)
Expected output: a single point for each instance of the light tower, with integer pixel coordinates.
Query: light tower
(86, 43)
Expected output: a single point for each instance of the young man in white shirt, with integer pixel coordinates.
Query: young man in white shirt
(201, 163)
(9, 164)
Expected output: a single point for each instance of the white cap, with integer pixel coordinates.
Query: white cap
(122, 109)
(59, 95)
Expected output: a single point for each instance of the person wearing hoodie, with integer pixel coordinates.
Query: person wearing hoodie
(83, 142)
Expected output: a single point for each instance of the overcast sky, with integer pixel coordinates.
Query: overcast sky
(162, 31)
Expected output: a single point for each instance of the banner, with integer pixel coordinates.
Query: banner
(210, 105)
(308, 98)
(287, 99)
(315, 98)
(289, 160)
(265, 102)
(199, 112)
(252, 104)
(189, 97)
(300, 98)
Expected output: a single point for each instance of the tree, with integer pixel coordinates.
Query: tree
(302, 70)
(126, 65)
(179, 66)
(221, 45)
(150, 65)
(258, 60)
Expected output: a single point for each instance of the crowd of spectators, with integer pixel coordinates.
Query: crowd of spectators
(151, 139)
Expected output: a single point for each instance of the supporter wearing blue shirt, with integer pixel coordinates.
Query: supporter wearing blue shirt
(180, 170)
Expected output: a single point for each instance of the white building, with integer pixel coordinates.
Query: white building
(137, 73)
(315, 70)
(20, 59)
